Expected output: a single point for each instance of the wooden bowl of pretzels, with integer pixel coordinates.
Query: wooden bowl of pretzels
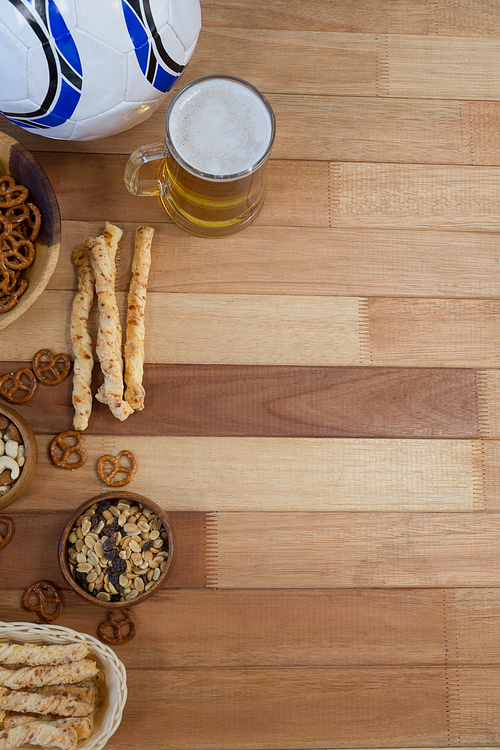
(30, 230)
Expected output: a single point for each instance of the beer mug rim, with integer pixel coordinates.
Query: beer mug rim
(206, 175)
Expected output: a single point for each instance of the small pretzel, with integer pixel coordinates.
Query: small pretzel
(49, 373)
(8, 302)
(117, 468)
(64, 460)
(48, 603)
(117, 638)
(17, 214)
(10, 193)
(18, 385)
(18, 253)
(34, 222)
(9, 530)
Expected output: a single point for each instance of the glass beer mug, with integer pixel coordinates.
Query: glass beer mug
(219, 132)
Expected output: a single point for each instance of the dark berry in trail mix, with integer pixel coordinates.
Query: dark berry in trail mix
(117, 551)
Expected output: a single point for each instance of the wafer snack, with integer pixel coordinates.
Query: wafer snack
(38, 733)
(81, 340)
(136, 303)
(108, 338)
(18, 700)
(48, 674)
(33, 655)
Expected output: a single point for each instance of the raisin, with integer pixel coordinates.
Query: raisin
(147, 545)
(115, 598)
(110, 529)
(103, 505)
(110, 554)
(95, 520)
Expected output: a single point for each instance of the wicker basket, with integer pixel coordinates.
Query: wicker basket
(108, 715)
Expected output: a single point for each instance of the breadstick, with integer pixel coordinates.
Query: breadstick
(77, 692)
(81, 341)
(14, 700)
(83, 726)
(38, 733)
(109, 353)
(48, 675)
(112, 236)
(34, 655)
(16, 720)
(136, 303)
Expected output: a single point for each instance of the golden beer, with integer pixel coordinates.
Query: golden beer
(219, 132)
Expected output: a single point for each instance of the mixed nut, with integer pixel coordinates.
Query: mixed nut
(117, 551)
(12, 454)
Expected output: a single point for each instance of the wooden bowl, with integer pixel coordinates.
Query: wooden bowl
(31, 456)
(21, 164)
(114, 497)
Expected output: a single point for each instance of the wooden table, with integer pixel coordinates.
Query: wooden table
(323, 395)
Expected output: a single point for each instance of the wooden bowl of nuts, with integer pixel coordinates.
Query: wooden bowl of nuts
(30, 230)
(117, 549)
(18, 455)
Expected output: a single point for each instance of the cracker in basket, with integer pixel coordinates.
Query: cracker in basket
(38, 733)
(83, 725)
(136, 303)
(18, 700)
(33, 655)
(60, 674)
(108, 346)
(81, 340)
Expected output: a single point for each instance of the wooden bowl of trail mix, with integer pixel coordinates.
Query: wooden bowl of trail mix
(117, 549)
(18, 455)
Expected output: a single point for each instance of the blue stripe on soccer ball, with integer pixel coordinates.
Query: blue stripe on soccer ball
(64, 66)
(148, 47)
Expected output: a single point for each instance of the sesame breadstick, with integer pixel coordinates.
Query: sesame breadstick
(81, 341)
(48, 675)
(136, 303)
(34, 655)
(112, 236)
(108, 349)
(17, 700)
(38, 733)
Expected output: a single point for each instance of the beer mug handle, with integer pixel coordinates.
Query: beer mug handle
(139, 157)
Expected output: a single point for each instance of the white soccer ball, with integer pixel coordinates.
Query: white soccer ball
(85, 69)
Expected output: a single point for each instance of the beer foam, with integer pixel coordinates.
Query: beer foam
(220, 127)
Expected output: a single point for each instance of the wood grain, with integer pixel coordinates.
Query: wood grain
(225, 400)
(304, 260)
(356, 550)
(280, 474)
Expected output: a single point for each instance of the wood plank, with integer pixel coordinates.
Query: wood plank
(299, 627)
(415, 196)
(338, 128)
(286, 330)
(266, 628)
(362, 16)
(303, 261)
(472, 620)
(257, 329)
(297, 191)
(290, 708)
(363, 128)
(353, 550)
(452, 68)
(450, 333)
(225, 400)
(279, 474)
(33, 556)
(476, 18)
